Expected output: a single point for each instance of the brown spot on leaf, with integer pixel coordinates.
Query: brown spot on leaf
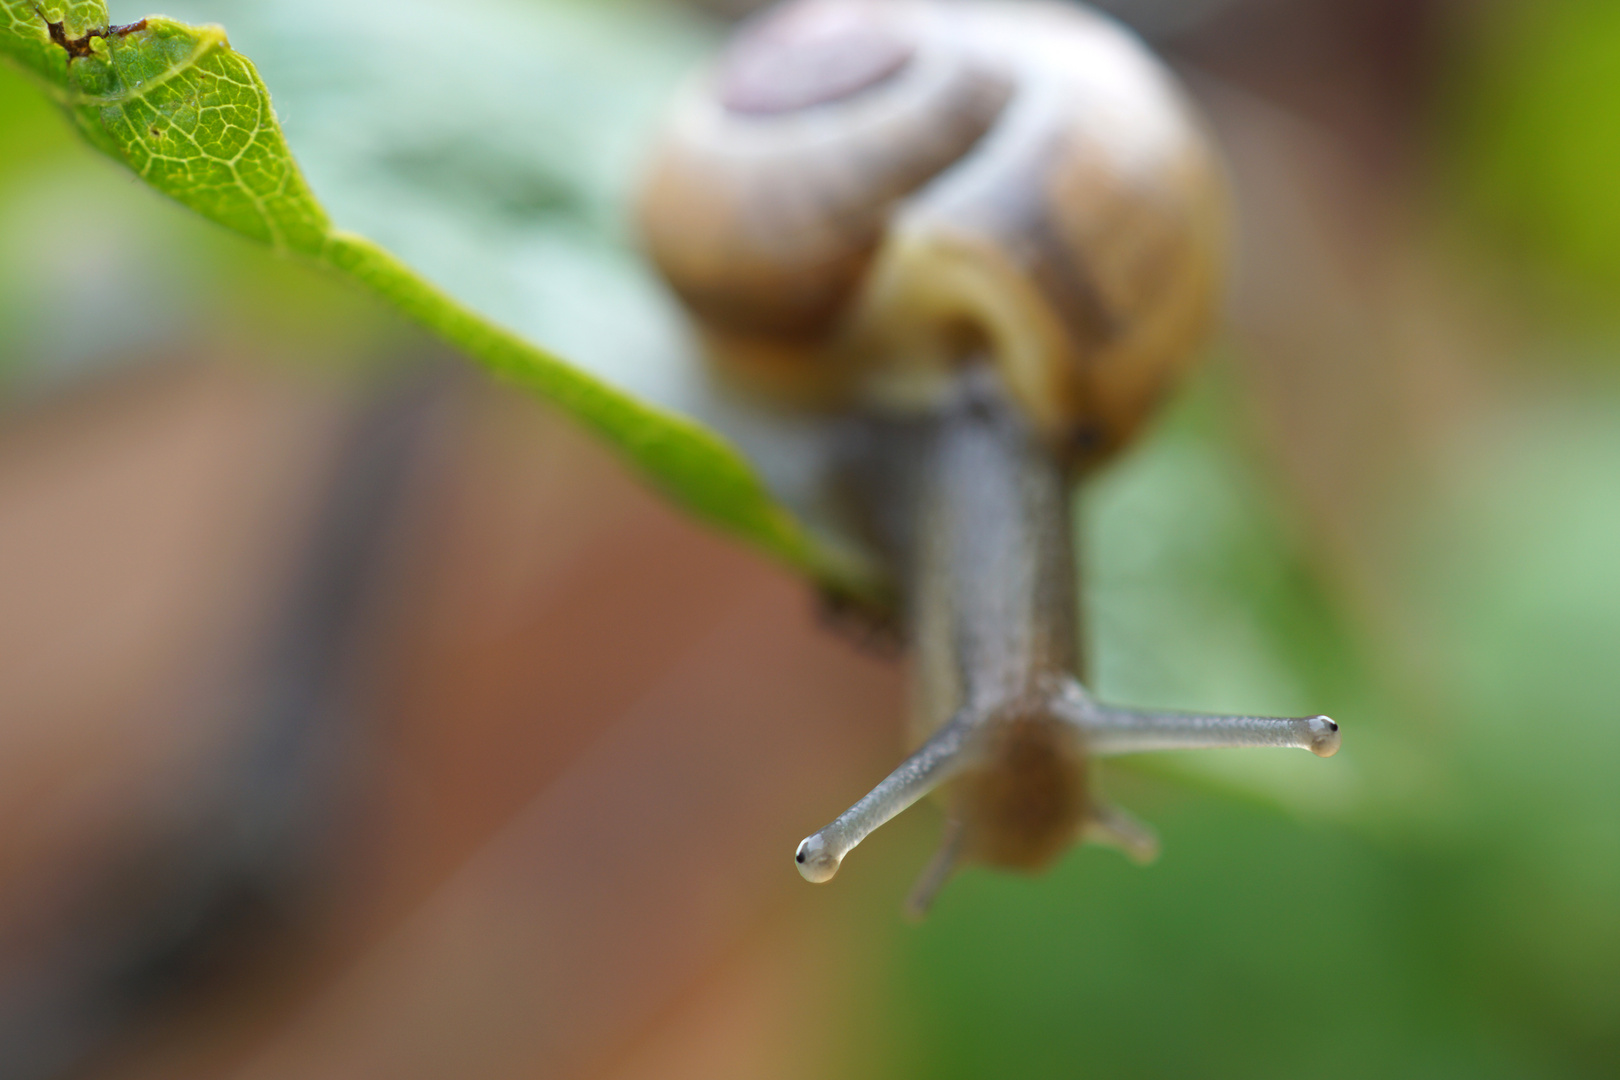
(80, 46)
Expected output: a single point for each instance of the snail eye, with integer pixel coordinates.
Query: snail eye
(804, 55)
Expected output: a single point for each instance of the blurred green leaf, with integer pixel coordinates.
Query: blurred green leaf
(191, 117)
(1534, 117)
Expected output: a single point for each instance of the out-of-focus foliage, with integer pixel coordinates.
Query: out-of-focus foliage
(1535, 111)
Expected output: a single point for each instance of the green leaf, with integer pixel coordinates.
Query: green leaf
(192, 118)
(1531, 119)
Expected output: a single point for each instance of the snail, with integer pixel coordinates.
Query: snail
(991, 234)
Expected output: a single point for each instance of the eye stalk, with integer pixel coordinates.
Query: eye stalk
(990, 235)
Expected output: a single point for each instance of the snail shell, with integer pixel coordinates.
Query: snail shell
(861, 195)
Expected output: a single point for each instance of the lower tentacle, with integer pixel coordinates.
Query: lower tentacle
(1112, 827)
(939, 869)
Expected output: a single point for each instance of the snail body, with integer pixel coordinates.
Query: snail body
(991, 235)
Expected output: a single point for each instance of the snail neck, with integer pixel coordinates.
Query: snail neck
(992, 589)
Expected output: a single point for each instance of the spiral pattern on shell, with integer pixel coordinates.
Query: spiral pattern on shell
(862, 195)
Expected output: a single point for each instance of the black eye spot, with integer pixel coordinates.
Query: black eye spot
(800, 856)
(1333, 724)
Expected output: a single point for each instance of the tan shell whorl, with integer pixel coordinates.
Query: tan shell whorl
(862, 194)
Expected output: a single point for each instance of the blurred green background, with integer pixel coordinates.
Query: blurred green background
(1421, 538)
